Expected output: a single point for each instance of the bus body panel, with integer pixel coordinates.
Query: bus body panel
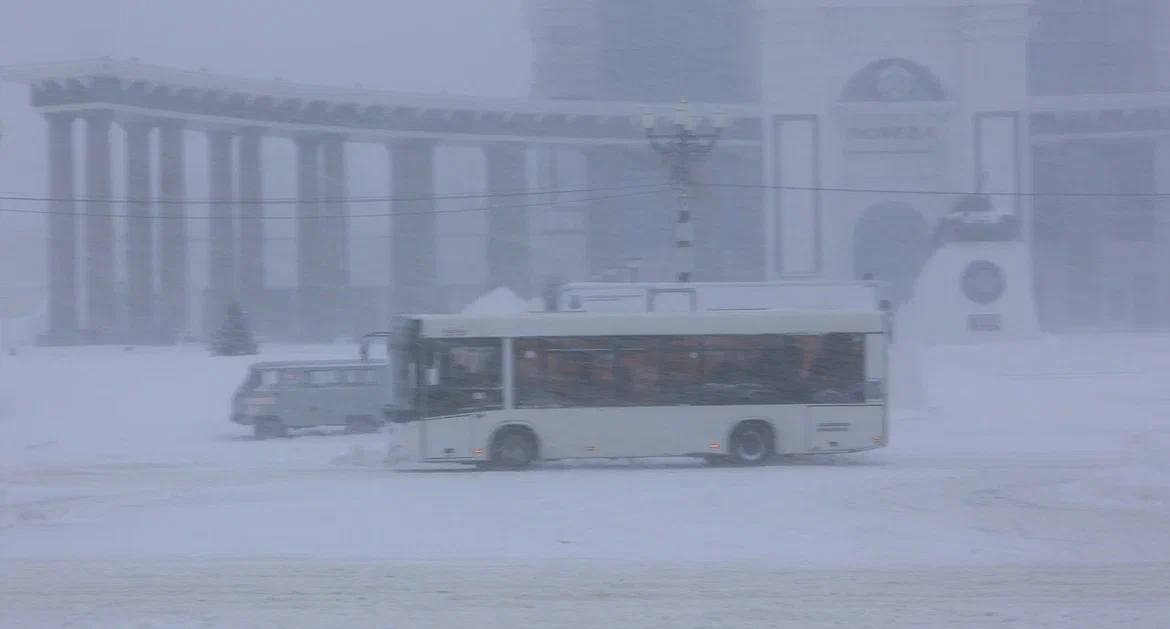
(448, 437)
(576, 433)
(833, 428)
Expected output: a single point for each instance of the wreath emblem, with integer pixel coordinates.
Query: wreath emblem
(983, 282)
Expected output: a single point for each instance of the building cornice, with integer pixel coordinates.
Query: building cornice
(129, 84)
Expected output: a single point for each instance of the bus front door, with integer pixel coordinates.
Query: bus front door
(453, 412)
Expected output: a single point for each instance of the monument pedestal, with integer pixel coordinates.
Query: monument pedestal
(972, 292)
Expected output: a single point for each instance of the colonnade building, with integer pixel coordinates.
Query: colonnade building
(914, 97)
(854, 126)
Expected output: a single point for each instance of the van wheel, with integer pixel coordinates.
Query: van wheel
(513, 450)
(361, 424)
(269, 428)
(752, 443)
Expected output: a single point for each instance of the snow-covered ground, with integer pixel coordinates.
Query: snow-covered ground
(1029, 487)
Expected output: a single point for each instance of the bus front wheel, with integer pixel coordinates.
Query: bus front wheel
(513, 450)
(752, 443)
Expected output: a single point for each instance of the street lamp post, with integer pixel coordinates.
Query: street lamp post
(682, 147)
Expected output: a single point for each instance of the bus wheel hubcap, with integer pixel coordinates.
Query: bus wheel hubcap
(751, 446)
(514, 452)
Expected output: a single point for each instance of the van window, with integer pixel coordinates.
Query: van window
(360, 377)
(324, 377)
(264, 380)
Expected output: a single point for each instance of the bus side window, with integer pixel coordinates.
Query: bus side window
(837, 372)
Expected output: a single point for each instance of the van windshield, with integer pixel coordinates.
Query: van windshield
(261, 380)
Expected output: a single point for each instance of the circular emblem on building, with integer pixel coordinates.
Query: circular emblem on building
(983, 282)
(893, 81)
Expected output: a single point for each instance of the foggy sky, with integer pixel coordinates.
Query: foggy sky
(477, 47)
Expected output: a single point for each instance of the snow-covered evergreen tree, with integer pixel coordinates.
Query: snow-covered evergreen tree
(234, 337)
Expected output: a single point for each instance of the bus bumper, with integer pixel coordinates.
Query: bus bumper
(404, 444)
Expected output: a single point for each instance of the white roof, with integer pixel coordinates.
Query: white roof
(498, 302)
(785, 283)
(650, 324)
(309, 364)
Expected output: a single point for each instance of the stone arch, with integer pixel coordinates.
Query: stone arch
(891, 241)
(893, 81)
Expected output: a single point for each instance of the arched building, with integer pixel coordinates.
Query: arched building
(855, 126)
(913, 97)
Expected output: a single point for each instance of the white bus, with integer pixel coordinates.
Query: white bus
(505, 391)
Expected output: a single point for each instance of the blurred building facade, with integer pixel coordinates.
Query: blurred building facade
(999, 96)
(855, 127)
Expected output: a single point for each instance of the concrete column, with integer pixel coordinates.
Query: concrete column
(141, 326)
(728, 244)
(222, 252)
(62, 233)
(102, 314)
(172, 230)
(334, 189)
(1162, 237)
(1161, 38)
(507, 227)
(603, 233)
(647, 224)
(334, 229)
(413, 229)
(251, 280)
(309, 237)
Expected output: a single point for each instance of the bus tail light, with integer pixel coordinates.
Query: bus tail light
(714, 446)
(477, 451)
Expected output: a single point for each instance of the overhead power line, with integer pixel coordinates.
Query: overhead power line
(324, 200)
(638, 190)
(389, 214)
(531, 193)
(946, 193)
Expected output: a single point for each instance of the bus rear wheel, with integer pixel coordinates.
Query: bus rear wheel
(513, 450)
(752, 443)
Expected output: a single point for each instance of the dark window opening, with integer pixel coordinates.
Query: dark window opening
(462, 376)
(676, 370)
